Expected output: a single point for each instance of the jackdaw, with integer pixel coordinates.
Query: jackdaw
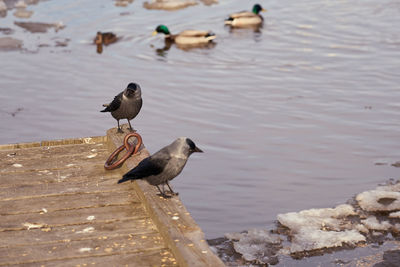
(163, 165)
(126, 105)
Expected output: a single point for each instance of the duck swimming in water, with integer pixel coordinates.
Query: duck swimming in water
(246, 18)
(104, 38)
(187, 37)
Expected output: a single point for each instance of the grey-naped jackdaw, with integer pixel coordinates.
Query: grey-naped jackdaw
(164, 165)
(126, 105)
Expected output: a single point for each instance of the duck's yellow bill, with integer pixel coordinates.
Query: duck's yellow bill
(264, 10)
(154, 33)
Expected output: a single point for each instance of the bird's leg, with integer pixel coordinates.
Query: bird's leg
(162, 193)
(172, 191)
(119, 128)
(130, 126)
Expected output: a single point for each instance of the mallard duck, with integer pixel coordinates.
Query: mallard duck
(169, 4)
(105, 38)
(186, 38)
(246, 18)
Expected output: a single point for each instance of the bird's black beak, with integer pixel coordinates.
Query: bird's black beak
(196, 149)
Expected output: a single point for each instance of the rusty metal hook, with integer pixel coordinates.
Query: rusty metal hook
(131, 150)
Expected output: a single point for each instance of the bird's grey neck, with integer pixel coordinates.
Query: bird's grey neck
(178, 149)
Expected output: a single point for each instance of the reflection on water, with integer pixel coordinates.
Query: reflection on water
(279, 111)
(162, 52)
(242, 32)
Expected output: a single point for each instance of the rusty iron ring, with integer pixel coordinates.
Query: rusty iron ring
(131, 150)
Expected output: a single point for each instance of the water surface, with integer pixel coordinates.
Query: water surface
(302, 114)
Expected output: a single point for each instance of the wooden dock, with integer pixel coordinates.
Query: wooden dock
(60, 207)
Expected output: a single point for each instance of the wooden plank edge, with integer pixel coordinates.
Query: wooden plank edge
(189, 247)
(57, 142)
(64, 259)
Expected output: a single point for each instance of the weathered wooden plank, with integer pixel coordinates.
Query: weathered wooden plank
(51, 185)
(71, 173)
(52, 151)
(181, 233)
(75, 211)
(61, 162)
(176, 225)
(129, 243)
(162, 258)
(72, 217)
(84, 140)
(77, 232)
(19, 146)
(67, 201)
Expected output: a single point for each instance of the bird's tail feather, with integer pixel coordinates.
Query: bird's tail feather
(229, 21)
(210, 36)
(127, 178)
(106, 108)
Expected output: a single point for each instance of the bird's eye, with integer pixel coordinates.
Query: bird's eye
(190, 143)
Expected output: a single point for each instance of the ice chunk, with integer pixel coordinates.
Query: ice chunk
(379, 200)
(321, 228)
(372, 223)
(234, 236)
(316, 218)
(394, 214)
(361, 228)
(256, 245)
(314, 231)
(310, 239)
(389, 187)
(3, 6)
(396, 227)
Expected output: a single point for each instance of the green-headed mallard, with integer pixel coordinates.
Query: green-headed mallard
(246, 18)
(105, 38)
(186, 38)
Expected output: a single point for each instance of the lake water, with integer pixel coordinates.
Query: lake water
(302, 114)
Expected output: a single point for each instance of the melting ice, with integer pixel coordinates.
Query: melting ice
(371, 214)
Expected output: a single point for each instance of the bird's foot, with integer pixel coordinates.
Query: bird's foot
(132, 130)
(174, 193)
(120, 130)
(164, 195)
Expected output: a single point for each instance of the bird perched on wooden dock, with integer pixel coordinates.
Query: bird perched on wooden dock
(126, 105)
(164, 165)
(246, 18)
(186, 38)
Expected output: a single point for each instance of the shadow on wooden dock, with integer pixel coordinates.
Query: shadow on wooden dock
(59, 206)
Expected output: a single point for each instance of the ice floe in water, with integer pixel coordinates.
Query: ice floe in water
(383, 198)
(372, 223)
(371, 217)
(256, 245)
(321, 228)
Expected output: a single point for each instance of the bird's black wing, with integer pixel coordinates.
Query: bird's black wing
(114, 105)
(147, 167)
